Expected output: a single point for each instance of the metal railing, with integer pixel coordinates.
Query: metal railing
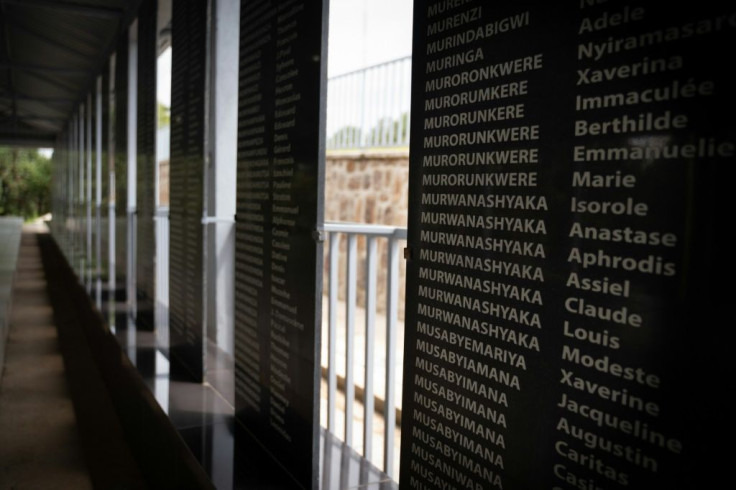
(346, 326)
(369, 108)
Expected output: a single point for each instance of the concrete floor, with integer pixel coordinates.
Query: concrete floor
(39, 441)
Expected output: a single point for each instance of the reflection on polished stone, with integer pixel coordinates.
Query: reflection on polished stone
(342, 467)
(220, 371)
(203, 415)
(232, 458)
(196, 405)
(161, 381)
(213, 446)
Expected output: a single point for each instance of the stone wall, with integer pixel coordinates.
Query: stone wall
(373, 189)
(365, 188)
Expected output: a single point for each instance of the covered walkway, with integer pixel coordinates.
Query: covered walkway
(59, 426)
(39, 442)
(75, 413)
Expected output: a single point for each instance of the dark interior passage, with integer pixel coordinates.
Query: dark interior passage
(38, 437)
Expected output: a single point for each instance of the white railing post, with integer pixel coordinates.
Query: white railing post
(372, 233)
(332, 334)
(370, 328)
(392, 302)
(350, 301)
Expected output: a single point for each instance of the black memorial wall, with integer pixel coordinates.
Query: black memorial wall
(67, 190)
(145, 239)
(94, 251)
(71, 186)
(278, 256)
(120, 168)
(103, 211)
(60, 199)
(567, 197)
(89, 191)
(79, 202)
(81, 211)
(186, 275)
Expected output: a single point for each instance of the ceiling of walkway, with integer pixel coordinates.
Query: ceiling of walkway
(50, 55)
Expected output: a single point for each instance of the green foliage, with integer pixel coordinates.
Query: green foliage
(164, 115)
(387, 133)
(25, 183)
(390, 132)
(348, 136)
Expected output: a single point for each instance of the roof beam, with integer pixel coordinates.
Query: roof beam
(49, 69)
(53, 121)
(53, 82)
(32, 98)
(31, 140)
(70, 7)
(53, 42)
(47, 112)
(32, 125)
(8, 57)
(33, 117)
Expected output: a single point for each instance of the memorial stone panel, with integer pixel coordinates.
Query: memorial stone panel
(92, 221)
(145, 174)
(72, 184)
(105, 183)
(189, 29)
(80, 259)
(77, 197)
(120, 169)
(278, 258)
(566, 193)
(60, 196)
(66, 191)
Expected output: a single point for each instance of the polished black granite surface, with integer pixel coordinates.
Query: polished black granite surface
(205, 420)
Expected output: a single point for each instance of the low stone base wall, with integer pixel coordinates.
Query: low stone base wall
(367, 188)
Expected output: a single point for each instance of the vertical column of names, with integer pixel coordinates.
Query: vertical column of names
(637, 100)
(481, 254)
(280, 174)
(254, 199)
(284, 314)
(195, 88)
(179, 198)
(185, 189)
(145, 251)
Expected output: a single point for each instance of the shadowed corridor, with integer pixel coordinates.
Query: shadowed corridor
(39, 442)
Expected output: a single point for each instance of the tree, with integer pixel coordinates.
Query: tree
(25, 183)
(164, 115)
(345, 137)
(390, 132)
